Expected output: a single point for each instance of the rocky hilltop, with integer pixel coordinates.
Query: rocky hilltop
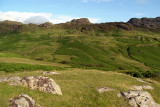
(81, 21)
(84, 25)
(152, 23)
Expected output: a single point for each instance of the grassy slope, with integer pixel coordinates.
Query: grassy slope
(78, 87)
(77, 49)
(28, 61)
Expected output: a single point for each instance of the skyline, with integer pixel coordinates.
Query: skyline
(60, 11)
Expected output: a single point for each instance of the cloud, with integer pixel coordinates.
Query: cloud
(141, 1)
(96, 1)
(38, 18)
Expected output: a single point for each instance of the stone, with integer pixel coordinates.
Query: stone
(50, 73)
(104, 89)
(135, 87)
(44, 84)
(139, 98)
(23, 100)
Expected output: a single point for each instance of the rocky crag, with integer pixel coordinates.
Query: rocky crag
(152, 23)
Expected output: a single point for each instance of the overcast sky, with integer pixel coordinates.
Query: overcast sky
(60, 11)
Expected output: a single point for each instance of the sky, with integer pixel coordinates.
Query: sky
(61, 11)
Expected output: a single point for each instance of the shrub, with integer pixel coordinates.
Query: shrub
(143, 74)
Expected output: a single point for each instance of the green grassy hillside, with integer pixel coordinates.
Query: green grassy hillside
(87, 58)
(117, 50)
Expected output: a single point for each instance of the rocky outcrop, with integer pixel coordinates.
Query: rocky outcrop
(9, 26)
(44, 84)
(139, 99)
(50, 73)
(46, 25)
(80, 21)
(23, 100)
(105, 89)
(152, 23)
(143, 87)
(143, 81)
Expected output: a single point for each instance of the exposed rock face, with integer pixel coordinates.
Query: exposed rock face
(104, 89)
(46, 25)
(23, 101)
(50, 73)
(81, 21)
(151, 23)
(44, 84)
(139, 99)
(135, 87)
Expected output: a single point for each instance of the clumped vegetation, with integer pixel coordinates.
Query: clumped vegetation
(143, 74)
(12, 67)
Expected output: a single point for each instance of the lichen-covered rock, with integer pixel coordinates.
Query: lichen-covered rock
(139, 98)
(23, 101)
(104, 89)
(135, 87)
(44, 84)
(50, 73)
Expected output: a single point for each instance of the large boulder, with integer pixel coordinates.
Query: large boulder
(23, 100)
(139, 98)
(44, 84)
